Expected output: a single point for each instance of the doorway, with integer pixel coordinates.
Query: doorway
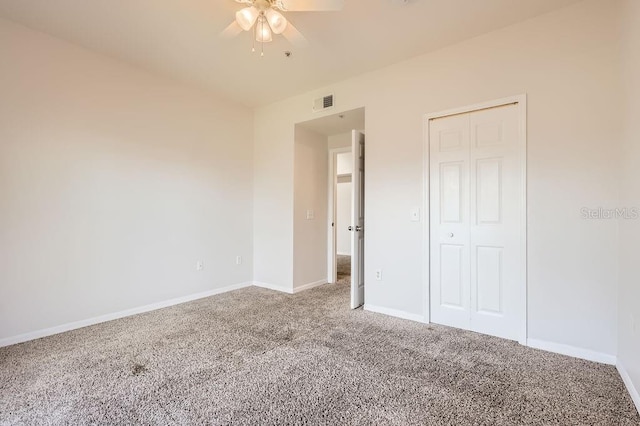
(346, 213)
(342, 216)
(343, 163)
(477, 217)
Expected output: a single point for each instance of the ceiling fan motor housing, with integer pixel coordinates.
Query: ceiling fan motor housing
(262, 5)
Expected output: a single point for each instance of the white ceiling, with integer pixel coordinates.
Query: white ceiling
(180, 38)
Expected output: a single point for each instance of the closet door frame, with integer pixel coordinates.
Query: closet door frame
(521, 102)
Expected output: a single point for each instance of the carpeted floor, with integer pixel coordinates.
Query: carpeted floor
(258, 357)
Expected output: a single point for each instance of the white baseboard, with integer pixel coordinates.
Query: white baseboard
(635, 395)
(7, 341)
(273, 287)
(343, 254)
(394, 313)
(289, 290)
(573, 351)
(309, 286)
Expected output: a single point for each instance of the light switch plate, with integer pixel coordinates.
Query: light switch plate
(311, 215)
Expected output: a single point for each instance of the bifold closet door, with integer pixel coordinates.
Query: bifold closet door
(476, 196)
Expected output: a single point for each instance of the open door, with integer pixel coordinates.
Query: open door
(357, 221)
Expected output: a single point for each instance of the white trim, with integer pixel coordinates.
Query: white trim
(273, 287)
(343, 254)
(309, 286)
(394, 313)
(332, 268)
(426, 224)
(521, 100)
(524, 305)
(572, 351)
(295, 290)
(635, 395)
(116, 315)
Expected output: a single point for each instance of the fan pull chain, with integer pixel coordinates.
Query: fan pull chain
(253, 47)
(262, 37)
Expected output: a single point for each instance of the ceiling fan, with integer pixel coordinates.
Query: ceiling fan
(265, 18)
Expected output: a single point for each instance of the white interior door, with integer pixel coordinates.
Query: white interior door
(476, 231)
(357, 221)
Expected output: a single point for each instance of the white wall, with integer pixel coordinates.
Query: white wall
(344, 163)
(570, 72)
(628, 337)
(311, 179)
(341, 140)
(113, 183)
(273, 200)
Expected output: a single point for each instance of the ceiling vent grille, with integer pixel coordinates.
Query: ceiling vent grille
(322, 104)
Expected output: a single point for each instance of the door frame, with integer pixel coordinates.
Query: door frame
(521, 101)
(332, 270)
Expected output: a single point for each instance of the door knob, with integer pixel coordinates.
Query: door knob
(350, 228)
(450, 234)
(358, 228)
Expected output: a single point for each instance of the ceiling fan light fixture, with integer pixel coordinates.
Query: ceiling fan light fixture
(263, 31)
(247, 17)
(277, 22)
(266, 18)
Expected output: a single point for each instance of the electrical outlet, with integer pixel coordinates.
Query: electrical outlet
(379, 275)
(311, 215)
(199, 265)
(238, 260)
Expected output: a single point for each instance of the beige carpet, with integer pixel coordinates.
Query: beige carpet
(258, 357)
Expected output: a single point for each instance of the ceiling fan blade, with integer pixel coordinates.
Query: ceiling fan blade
(294, 36)
(311, 5)
(231, 31)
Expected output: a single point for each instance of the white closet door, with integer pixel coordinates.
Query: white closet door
(496, 200)
(476, 201)
(450, 263)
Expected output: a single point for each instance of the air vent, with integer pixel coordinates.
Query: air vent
(323, 103)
